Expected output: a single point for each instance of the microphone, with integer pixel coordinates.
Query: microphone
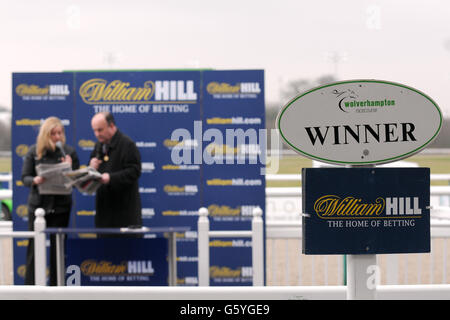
(60, 147)
(98, 151)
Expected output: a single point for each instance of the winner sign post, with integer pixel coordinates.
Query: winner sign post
(362, 211)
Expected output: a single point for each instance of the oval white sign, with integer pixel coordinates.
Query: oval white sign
(359, 122)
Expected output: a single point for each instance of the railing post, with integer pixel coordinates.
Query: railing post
(40, 259)
(257, 248)
(359, 284)
(203, 247)
(6, 265)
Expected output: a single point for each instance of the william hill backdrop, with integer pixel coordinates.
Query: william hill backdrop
(201, 139)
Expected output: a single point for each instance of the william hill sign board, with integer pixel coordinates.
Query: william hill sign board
(362, 123)
(366, 210)
(359, 122)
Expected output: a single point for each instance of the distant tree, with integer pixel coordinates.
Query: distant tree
(326, 79)
(5, 136)
(292, 89)
(5, 129)
(271, 115)
(295, 87)
(443, 138)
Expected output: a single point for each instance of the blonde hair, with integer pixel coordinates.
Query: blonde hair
(44, 142)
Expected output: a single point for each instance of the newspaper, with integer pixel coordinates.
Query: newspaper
(55, 179)
(86, 180)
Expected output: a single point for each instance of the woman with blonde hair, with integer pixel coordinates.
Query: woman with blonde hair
(50, 148)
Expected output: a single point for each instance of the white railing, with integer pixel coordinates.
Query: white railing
(6, 193)
(286, 265)
(286, 235)
(298, 177)
(40, 254)
(6, 264)
(283, 233)
(276, 230)
(6, 177)
(417, 292)
(256, 234)
(211, 293)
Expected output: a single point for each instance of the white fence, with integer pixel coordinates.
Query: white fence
(287, 266)
(256, 234)
(39, 248)
(419, 292)
(357, 265)
(6, 193)
(418, 276)
(217, 293)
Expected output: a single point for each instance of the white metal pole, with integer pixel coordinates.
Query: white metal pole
(257, 247)
(203, 247)
(60, 262)
(361, 276)
(40, 259)
(5, 264)
(360, 284)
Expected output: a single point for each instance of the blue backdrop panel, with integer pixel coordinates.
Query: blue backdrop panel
(231, 272)
(233, 122)
(169, 100)
(119, 261)
(170, 193)
(187, 258)
(169, 115)
(35, 96)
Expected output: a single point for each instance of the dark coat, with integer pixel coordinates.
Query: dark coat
(118, 203)
(57, 207)
(57, 203)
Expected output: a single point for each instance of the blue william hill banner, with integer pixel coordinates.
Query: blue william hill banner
(148, 107)
(202, 142)
(36, 96)
(117, 261)
(366, 210)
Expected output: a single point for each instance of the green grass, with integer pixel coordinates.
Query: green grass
(294, 164)
(437, 163)
(5, 165)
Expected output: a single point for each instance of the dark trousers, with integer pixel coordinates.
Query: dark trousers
(55, 220)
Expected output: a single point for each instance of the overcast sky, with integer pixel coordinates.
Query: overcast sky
(405, 41)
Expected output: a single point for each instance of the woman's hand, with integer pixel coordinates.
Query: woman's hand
(67, 159)
(38, 180)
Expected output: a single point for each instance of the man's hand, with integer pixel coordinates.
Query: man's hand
(105, 178)
(95, 163)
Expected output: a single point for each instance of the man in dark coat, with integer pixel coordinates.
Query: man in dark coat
(116, 157)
